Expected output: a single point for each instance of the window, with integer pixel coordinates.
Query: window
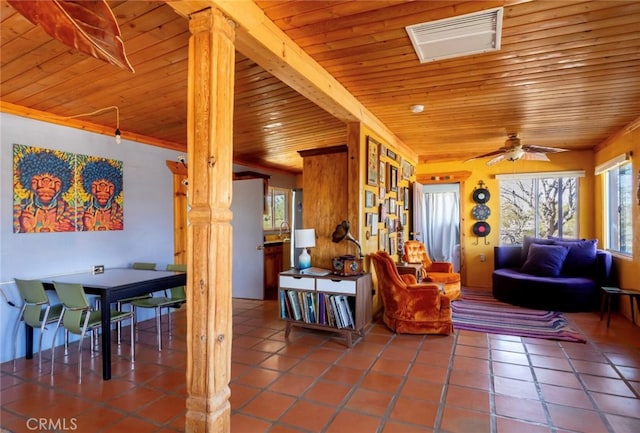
(276, 208)
(539, 205)
(617, 206)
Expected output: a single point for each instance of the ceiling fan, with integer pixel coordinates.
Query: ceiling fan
(514, 150)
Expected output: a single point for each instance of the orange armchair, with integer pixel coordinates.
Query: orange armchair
(410, 308)
(436, 272)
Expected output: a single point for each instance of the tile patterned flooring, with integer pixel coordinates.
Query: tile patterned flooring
(463, 383)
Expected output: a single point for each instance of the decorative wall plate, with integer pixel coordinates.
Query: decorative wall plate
(480, 212)
(481, 195)
(481, 229)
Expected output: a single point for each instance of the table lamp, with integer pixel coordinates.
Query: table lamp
(305, 238)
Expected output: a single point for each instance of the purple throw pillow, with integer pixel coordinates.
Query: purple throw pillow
(545, 260)
(530, 240)
(581, 258)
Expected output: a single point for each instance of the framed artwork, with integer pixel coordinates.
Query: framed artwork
(374, 225)
(372, 161)
(383, 192)
(368, 199)
(407, 169)
(392, 205)
(391, 154)
(382, 212)
(406, 198)
(393, 174)
(382, 173)
(382, 241)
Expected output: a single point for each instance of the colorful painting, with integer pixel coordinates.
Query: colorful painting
(56, 191)
(100, 193)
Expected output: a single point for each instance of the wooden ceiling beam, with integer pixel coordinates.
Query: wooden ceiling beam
(261, 40)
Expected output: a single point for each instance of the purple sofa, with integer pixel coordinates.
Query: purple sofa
(551, 274)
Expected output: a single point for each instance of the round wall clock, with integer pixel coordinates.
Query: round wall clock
(480, 212)
(481, 229)
(481, 195)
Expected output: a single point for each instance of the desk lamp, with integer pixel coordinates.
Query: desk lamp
(305, 238)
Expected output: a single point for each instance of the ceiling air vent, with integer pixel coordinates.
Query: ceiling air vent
(478, 32)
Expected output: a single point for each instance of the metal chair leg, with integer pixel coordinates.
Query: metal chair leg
(159, 328)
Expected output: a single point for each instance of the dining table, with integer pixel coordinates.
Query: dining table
(112, 285)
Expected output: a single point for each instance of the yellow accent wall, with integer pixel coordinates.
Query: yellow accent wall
(627, 141)
(475, 273)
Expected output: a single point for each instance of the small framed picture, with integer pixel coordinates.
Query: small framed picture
(372, 161)
(382, 175)
(392, 205)
(383, 192)
(368, 199)
(393, 174)
(406, 198)
(391, 154)
(406, 169)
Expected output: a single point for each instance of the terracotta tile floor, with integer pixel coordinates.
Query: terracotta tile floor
(467, 382)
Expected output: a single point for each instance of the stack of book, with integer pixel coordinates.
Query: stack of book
(321, 308)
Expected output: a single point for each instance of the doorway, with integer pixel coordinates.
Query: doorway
(439, 229)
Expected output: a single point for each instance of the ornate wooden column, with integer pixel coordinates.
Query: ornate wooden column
(210, 147)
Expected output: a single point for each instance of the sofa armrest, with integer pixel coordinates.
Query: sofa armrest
(604, 264)
(507, 256)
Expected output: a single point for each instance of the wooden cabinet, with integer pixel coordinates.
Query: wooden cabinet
(340, 304)
(272, 268)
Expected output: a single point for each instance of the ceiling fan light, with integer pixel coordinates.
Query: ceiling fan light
(514, 154)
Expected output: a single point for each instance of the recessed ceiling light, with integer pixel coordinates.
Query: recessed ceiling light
(417, 108)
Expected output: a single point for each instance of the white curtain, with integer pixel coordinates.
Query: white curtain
(419, 215)
(441, 232)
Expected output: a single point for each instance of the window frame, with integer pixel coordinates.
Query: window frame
(561, 176)
(274, 226)
(611, 211)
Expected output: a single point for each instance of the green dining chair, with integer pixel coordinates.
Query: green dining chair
(145, 266)
(36, 311)
(77, 317)
(173, 298)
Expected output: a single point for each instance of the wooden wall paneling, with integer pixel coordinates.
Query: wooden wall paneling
(325, 203)
(180, 181)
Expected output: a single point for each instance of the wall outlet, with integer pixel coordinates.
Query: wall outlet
(483, 258)
(98, 269)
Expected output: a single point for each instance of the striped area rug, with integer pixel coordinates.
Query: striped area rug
(480, 312)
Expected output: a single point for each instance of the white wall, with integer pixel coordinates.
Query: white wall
(148, 215)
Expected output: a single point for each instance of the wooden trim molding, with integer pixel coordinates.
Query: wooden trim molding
(453, 176)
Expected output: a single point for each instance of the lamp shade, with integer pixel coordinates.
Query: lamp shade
(305, 238)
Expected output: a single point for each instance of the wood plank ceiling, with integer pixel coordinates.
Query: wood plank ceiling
(567, 75)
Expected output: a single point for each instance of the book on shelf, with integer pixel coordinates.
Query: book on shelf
(283, 304)
(345, 301)
(343, 307)
(295, 304)
(335, 303)
(311, 315)
(331, 320)
(322, 315)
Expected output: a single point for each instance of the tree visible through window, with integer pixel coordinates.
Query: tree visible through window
(539, 207)
(277, 208)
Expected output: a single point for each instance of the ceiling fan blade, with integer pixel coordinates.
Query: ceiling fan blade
(542, 149)
(535, 156)
(484, 155)
(497, 159)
